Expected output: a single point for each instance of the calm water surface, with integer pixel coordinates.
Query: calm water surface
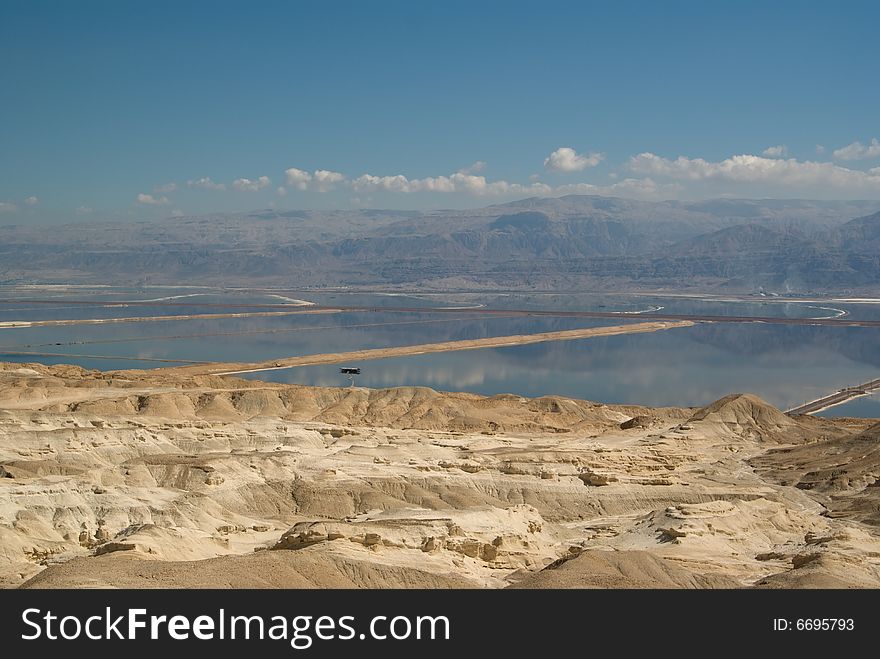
(786, 365)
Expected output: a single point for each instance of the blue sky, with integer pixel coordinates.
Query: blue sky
(115, 110)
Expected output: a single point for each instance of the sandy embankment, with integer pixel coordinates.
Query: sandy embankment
(9, 324)
(230, 368)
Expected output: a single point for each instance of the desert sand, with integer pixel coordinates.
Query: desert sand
(170, 479)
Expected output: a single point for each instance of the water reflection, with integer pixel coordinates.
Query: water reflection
(864, 407)
(784, 364)
(690, 366)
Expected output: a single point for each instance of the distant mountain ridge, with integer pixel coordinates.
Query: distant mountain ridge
(566, 242)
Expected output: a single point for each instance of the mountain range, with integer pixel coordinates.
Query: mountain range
(566, 243)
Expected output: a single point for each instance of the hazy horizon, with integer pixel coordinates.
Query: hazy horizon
(13, 220)
(121, 114)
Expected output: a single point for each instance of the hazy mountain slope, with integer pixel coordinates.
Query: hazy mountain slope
(567, 242)
(861, 235)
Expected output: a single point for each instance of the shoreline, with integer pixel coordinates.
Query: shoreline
(232, 368)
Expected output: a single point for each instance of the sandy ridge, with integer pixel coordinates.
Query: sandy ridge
(231, 368)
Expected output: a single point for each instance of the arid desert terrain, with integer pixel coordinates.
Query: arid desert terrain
(162, 478)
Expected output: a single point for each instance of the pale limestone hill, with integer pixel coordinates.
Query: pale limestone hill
(139, 479)
(277, 569)
(621, 569)
(746, 414)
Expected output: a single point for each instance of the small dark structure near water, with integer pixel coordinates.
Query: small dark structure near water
(350, 371)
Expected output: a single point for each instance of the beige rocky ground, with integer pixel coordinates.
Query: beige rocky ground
(142, 479)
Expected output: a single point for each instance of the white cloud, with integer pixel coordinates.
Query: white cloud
(777, 151)
(396, 183)
(324, 179)
(473, 168)
(298, 178)
(653, 177)
(321, 180)
(83, 210)
(6, 207)
(566, 159)
(641, 188)
(858, 151)
(33, 200)
(177, 213)
(150, 200)
(756, 169)
(820, 149)
(248, 185)
(457, 182)
(205, 183)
